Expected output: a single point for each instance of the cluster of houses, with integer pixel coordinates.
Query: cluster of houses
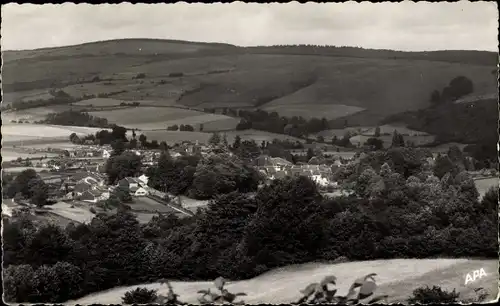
(91, 187)
(278, 168)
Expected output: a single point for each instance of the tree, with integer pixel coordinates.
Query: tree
(224, 141)
(133, 134)
(118, 147)
(321, 139)
(163, 146)
(214, 139)
(132, 144)
(375, 143)
(397, 140)
(143, 139)
(310, 154)
(272, 241)
(123, 194)
(444, 165)
(121, 166)
(119, 132)
(435, 97)
(335, 140)
(201, 127)
(377, 132)
(237, 142)
(39, 192)
(22, 180)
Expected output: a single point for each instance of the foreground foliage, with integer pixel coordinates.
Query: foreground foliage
(360, 290)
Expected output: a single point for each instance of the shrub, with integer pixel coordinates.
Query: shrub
(317, 293)
(140, 296)
(433, 295)
(220, 298)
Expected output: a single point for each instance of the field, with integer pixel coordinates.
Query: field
(258, 136)
(13, 132)
(78, 214)
(483, 185)
(34, 114)
(218, 74)
(151, 118)
(146, 204)
(172, 137)
(27, 95)
(396, 278)
(418, 140)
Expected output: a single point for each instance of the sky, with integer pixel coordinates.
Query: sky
(405, 26)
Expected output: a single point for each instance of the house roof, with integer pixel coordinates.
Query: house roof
(82, 186)
(95, 193)
(280, 161)
(87, 195)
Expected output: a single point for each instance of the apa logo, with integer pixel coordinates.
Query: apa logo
(475, 275)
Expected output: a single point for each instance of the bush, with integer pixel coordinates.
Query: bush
(140, 296)
(433, 295)
(320, 293)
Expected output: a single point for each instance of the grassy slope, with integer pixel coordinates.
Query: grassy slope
(223, 75)
(396, 277)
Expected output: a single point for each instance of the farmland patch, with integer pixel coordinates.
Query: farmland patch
(151, 118)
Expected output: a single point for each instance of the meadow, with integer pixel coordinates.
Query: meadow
(151, 118)
(146, 204)
(34, 114)
(68, 211)
(395, 277)
(328, 111)
(172, 137)
(258, 136)
(26, 95)
(24, 132)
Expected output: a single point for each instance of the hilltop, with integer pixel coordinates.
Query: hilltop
(311, 81)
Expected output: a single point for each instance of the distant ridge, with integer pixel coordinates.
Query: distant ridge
(287, 46)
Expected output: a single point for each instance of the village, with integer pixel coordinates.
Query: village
(78, 186)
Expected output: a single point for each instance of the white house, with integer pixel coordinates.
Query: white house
(106, 154)
(143, 179)
(139, 192)
(322, 181)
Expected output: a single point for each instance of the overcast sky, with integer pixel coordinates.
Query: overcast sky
(400, 26)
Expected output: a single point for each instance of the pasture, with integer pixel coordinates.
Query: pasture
(99, 102)
(328, 111)
(78, 214)
(15, 132)
(395, 277)
(146, 204)
(26, 95)
(258, 136)
(172, 137)
(34, 114)
(151, 118)
(359, 140)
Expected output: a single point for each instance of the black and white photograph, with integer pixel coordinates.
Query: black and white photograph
(250, 153)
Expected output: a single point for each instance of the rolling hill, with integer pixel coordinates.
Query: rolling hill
(396, 278)
(292, 80)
